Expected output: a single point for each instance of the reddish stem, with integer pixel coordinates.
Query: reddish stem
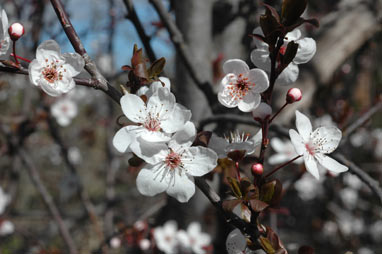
(21, 58)
(282, 165)
(14, 53)
(278, 112)
(238, 171)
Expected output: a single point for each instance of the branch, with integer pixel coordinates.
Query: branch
(75, 40)
(181, 48)
(132, 15)
(48, 200)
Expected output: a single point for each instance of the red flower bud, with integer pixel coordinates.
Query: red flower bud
(257, 169)
(293, 95)
(16, 30)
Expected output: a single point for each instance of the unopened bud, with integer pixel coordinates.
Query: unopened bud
(261, 112)
(257, 169)
(293, 95)
(144, 244)
(115, 242)
(16, 30)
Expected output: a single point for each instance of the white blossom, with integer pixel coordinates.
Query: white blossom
(314, 145)
(4, 200)
(166, 237)
(64, 110)
(5, 40)
(53, 71)
(308, 187)
(194, 239)
(305, 52)
(6, 227)
(234, 142)
(149, 91)
(241, 87)
(172, 168)
(155, 121)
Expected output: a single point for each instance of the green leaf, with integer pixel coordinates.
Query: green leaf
(266, 245)
(157, 67)
(267, 191)
(291, 10)
(235, 187)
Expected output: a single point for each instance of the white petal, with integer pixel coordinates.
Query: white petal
(311, 165)
(74, 63)
(235, 66)
(303, 125)
(260, 79)
(49, 88)
(327, 137)
(148, 183)
(161, 103)
(236, 242)
(298, 142)
(259, 43)
(35, 70)
(249, 102)
(218, 144)
(306, 50)
(134, 108)
(122, 140)
(164, 82)
(180, 115)
(278, 145)
(183, 187)
(4, 22)
(150, 152)
(260, 58)
(66, 84)
(186, 135)
(199, 160)
(183, 239)
(293, 35)
(226, 99)
(288, 75)
(63, 121)
(331, 164)
(48, 48)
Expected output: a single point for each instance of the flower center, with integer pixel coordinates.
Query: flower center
(173, 160)
(310, 148)
(282, 50)
(152, 124)
(239, 88)
(52, 71)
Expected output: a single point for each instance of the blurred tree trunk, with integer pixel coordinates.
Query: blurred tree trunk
(194, 19)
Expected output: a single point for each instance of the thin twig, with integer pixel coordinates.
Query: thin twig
(132, 15)
(48, 200)
(181, 48)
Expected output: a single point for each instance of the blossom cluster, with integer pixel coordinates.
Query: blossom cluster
(162, 134)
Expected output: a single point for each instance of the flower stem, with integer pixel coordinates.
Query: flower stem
(21, 58)
(278, 112)
(14, 53)
(282, 165)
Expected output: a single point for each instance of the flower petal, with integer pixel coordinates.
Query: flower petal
(331, 164)
(298, 142)
(180, 115)
(278, 158)
(74, 63)
(259, 43)
(122, 139)
(311, 165)
(34, 70)
(306, 50)
(260, 79)
(260, 58)
(161, 104)
(185, 136)
(48, 48)
(328, 139)
(303, 125)
(148, 183)
(134, 108)
(249, 102)
(218, 144)
(293, 35)
(226, 99)
(288, 75)
(150, 152)
(183, 187)
(235, 66)
(49, 88)
(199, 160)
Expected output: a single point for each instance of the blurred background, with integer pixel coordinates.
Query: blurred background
(94, 186)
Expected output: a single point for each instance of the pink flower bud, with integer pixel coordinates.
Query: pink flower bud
(257, 169)
(16, 30)
(261, 112)
(293, 95)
